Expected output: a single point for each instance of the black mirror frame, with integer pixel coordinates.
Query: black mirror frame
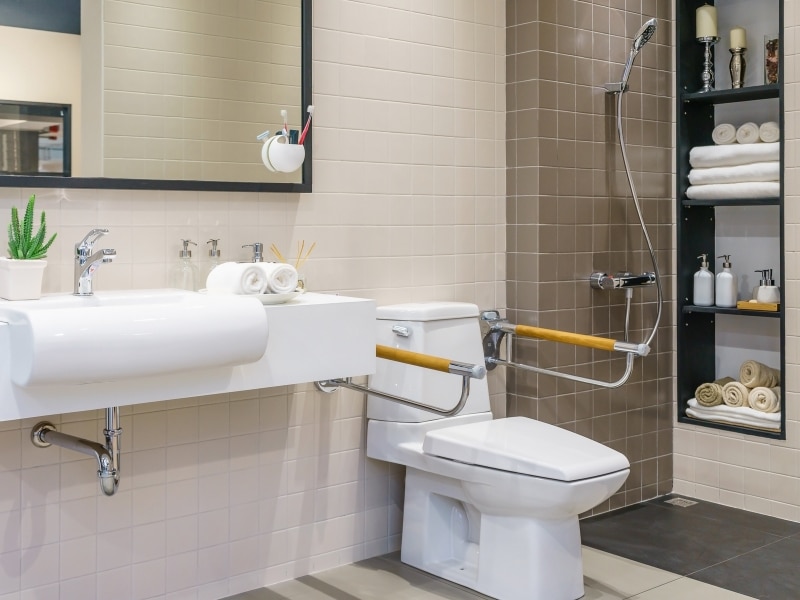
(44, 181)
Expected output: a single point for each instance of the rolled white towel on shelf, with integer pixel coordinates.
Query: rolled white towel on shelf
(724, 133)
(765, 399)
(747, 133)
(731, 155)
(769, 132)
(754, 374)
(734, 191)
(734, 393)
(236, 278)
(281, 277)
(762, 171)
(735, 416)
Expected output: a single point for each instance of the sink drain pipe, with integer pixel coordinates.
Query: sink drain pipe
(44, 435)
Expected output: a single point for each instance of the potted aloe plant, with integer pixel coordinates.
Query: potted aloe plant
(22, 272)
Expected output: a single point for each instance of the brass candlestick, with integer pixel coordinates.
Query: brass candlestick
(708, 64)
(738, 66)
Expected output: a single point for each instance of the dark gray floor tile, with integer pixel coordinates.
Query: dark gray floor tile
(769, 573)
(731, 516)
(670, 539)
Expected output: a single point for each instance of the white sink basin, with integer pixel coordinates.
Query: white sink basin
(112, 336)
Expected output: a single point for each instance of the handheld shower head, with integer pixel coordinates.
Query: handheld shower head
(642, 37)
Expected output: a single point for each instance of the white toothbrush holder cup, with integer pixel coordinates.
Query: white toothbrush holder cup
(279, 155)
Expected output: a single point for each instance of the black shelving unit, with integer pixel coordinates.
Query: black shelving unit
(695, 219)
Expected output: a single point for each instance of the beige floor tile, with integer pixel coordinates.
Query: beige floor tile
(619, 577)
(689, 588)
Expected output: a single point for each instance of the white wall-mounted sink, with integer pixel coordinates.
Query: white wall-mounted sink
(65, 354)
(110, 336)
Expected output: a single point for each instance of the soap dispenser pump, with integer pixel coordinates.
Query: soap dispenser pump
(258, 251)
(703, 291)
(184, 274)
(726, 285)
(767, 291)
(213, 257)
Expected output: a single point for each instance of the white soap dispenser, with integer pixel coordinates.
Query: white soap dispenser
(703, 284)
(767, 292)
(726, 284)
(185, 275)
(213, 259)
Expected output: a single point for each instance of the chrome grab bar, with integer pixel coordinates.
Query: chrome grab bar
(466, 371)
(500, 329)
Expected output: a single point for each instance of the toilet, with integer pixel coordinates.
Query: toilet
(490, 504)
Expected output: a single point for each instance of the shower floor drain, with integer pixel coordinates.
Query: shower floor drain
(680, 502)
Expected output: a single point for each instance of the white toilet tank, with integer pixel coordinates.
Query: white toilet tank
(446, 329)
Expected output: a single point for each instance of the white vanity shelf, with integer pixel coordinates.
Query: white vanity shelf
(313, 337)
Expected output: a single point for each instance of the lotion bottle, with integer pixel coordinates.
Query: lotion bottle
(726, 284)
(184, 274)
(703, 284)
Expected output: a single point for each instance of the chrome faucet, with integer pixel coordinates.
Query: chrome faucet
(87, 263)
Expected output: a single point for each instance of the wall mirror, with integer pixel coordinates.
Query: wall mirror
(162, 94)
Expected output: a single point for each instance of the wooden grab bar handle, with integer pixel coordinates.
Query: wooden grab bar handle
(429, 361)
(577, 339)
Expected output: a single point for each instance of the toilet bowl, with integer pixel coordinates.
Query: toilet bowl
(489, 504)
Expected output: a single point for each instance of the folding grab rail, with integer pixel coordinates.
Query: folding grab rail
(500, 328)
(467, 371)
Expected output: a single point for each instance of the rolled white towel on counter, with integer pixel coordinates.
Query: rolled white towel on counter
(762, 171)
(747, 133)
(765, 399)
(734, 191)
(734, 393)
(754, 374)
(769, 132)
(724, 133)
(281, 277)
(731, 155)
(735, 416)
(236, 278)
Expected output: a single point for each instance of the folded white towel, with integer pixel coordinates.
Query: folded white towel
(236, 278)
(735, 416)
(755, 374)
(733, 191)
(765, 399)
(748, 133)
(281, 278)
(734, 393)
(724, 133)
(769, 132)
(701, 157)
(762, 171)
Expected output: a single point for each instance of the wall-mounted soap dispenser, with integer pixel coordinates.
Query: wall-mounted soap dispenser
(185, 275)
(703, 291)
(767, 291)
(726, 285)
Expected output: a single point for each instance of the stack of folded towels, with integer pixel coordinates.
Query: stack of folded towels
(753, 401)
(252, 278)
(744, 162)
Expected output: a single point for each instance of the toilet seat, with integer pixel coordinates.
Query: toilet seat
(525, 446)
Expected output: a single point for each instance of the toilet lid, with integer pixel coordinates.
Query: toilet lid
(522, 445)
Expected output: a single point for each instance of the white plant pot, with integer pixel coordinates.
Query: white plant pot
(21, 279)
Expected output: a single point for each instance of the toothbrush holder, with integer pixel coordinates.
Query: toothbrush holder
(278, 154)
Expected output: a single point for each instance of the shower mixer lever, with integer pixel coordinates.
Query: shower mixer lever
(603, 281)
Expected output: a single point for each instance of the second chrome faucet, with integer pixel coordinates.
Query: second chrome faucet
(87, 262)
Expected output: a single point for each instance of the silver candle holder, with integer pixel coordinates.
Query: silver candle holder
(737, 66)
(708, 63)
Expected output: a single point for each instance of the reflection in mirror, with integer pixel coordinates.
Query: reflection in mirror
(171, 91)
(34, 139)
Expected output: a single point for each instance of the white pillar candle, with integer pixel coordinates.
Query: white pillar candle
(738, 37)
(706, 21)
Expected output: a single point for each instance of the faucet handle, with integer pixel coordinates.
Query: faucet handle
(91, 237)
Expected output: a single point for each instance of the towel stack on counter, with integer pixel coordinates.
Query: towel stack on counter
(752, 401)
(252, 278)
(743, 163)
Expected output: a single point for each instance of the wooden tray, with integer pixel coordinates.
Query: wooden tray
(766, 306)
